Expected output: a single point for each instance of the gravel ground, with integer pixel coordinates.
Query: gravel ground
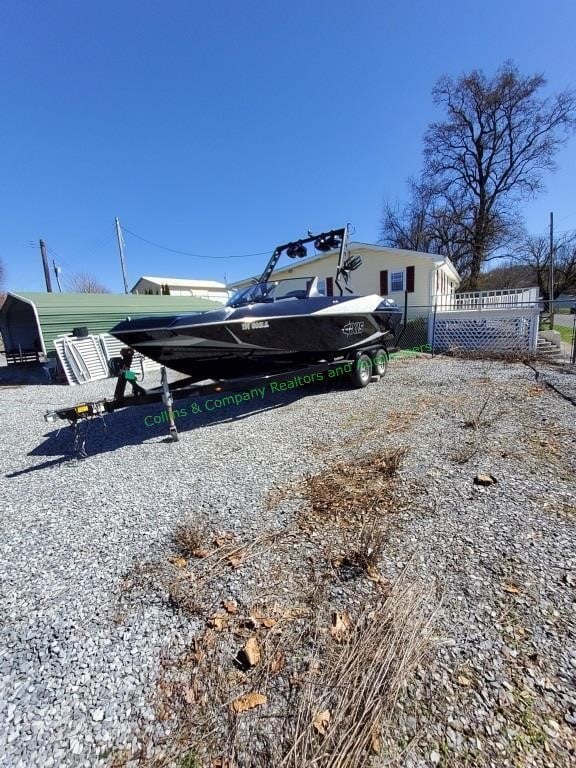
(77, 678)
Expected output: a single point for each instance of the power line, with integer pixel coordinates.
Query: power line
(194, 255)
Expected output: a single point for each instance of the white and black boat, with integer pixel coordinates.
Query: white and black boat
(273, 325)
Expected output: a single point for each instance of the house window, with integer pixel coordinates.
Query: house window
(322, 287)
(329, 286)
(396, 281)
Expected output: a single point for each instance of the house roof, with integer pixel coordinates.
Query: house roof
(355, 246)
(184, 282)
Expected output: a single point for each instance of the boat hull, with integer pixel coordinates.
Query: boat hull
(261, 339)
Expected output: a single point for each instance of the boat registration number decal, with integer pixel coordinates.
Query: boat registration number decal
(353, 329)
(252, 326)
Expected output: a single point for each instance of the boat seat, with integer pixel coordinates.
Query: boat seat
(295, 295)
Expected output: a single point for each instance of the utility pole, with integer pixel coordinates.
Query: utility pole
(45, 265)
(57, 271)
(121, 246)
(551, 274)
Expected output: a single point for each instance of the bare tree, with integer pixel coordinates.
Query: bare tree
(439, 224)
(85, 283)
(534, 252)
(493, 148)
(491, 151)
(420, 225)
(426, 223)
(509, 275)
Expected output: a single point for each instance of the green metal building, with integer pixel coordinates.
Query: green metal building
(29, 322)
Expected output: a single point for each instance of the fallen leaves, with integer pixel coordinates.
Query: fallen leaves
(230, 606)
(262, 617)
(219, 621)
(252, 652)
(179, 562)
(249, 701)
(236, 558)
(373, 574)
(277, 663)
(375, 743)
(223, 539)
(341, 623)
(322, 721)
(485, 480)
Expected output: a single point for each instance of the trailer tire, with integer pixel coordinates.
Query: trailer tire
(361, 372)
(380, 362)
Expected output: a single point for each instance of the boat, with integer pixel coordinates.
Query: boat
(272, 325)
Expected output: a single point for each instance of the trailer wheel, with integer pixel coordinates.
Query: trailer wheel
(380, 362)
(361, 372)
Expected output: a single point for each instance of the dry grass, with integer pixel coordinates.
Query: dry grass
(343, 716)
(306, 668)
(474, 420)
(308, 654)
(189, 539)
(466, 451)
(352, 494)
(550, 444)
(561, 509)
(362, 553)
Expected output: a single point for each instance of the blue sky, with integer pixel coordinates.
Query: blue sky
(226, 128)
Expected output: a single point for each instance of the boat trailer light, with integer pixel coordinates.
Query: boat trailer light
(80, 411)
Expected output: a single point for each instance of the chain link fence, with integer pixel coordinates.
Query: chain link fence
(505, 324)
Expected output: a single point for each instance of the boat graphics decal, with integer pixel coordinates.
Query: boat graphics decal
(353, 328)
(254, 324)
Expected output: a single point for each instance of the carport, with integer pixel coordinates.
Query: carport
(29, 322)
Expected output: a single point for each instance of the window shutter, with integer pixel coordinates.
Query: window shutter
(384, 282)
(329, 286)
(410, 279)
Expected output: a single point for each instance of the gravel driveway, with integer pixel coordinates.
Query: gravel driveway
(77, 678)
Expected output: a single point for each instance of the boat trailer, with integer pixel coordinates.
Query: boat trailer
(368, 364)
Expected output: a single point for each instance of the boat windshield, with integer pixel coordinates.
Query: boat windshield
(276, 290)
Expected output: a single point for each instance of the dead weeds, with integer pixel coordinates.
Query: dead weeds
(308, 677)
(319, 688)
(352, 494)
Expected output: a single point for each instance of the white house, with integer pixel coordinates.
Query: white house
(205, 289)
(503, 321)
(427, 278)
